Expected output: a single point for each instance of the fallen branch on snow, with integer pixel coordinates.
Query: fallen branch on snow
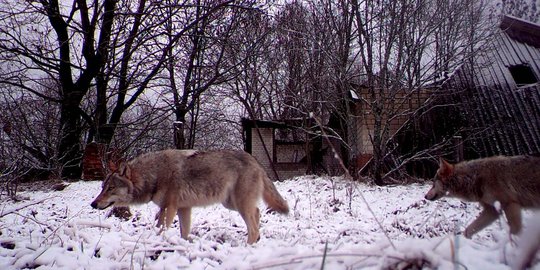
(91, 223)
(23, 206)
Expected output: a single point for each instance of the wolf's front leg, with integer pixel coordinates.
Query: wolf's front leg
(184, 215)
(165, 217)
(169, 214)
(486, 217)
(513, 215)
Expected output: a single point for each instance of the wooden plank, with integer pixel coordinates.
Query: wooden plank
(491, 106)
(530, 105)
(504, 61)
(509, 50)
(524, 134)
(533, 56)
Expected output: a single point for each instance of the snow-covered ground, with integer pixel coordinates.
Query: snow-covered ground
(329, 224)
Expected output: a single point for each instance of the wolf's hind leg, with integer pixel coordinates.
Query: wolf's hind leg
(258, 217)
(184, 215)
(160, 217)
(513, 215)
(486, 217)
(250, 214)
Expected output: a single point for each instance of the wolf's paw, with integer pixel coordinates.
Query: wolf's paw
(188, 239)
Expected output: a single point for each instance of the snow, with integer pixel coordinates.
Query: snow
(59, 230)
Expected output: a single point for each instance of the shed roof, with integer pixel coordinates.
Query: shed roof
(521, 30)
(287, 123)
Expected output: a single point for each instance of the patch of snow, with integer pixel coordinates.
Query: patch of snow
(62, 231)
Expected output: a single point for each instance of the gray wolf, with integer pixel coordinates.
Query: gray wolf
(513, 182)
(177, 180)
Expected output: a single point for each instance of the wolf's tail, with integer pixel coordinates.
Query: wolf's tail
(272, 197)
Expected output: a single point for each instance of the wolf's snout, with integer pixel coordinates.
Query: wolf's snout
(430, 196)
(98, 204)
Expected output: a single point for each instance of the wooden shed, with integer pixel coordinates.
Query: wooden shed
(500, 93)
(488, 106)
(491, 104)
(289, 148)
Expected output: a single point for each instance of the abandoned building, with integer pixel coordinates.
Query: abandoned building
(502, 93)
(496, 111)
(285, 149)
(499, 96)
(491, 104)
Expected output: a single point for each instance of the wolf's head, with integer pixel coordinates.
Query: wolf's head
(440, 181)
(117, 189)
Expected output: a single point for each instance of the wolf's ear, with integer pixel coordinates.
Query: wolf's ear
(445, 168)
(124, 170)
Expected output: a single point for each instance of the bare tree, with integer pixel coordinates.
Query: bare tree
(299, 64)
(205, 61)
(28, 138)
(116, 49)
(404, 46)
(149, 48)
(302, 63)
(35, 134)
(253, 87)
(39, 41)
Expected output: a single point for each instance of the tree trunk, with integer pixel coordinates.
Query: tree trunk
(69, 148)
(377, 146)
(178, 133)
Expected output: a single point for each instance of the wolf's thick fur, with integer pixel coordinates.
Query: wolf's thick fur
(177, 180)
(514, 182)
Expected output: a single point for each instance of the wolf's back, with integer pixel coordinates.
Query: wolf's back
(525, 180)
(516, 178)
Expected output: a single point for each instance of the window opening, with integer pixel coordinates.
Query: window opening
(523, 75)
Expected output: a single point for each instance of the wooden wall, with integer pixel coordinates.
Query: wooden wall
(480, 109)
(503, 117)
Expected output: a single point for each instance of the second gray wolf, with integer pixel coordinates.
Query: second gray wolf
(177, 180)
(512, 181)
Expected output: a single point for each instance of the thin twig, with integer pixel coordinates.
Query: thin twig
(133, 251)
(91, 223)
(53, 233)
(24, 206)
(34, 220)
(298, 259)
(324, 255)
